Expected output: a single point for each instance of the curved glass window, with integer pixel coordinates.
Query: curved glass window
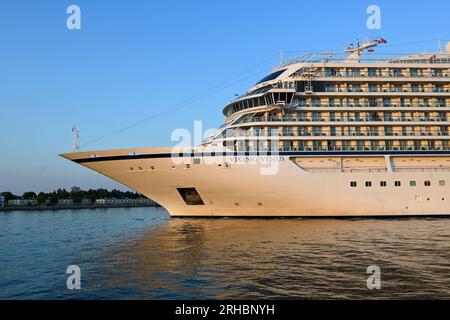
(271, 76)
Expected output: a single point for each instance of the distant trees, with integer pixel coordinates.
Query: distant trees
(41, 198)
(8, 195)
(76, 194)
(30, 195)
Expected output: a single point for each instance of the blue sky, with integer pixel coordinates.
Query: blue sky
(133, 59)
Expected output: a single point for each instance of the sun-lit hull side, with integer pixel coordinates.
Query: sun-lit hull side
(236, 187)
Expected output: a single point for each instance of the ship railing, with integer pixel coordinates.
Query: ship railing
(391, 58)
(421, 169)
(382, 75)
(346, 149)
(394, 133)
(336, 169)
(375, 169)
(382, 90)
(343, 119)
(375, 105)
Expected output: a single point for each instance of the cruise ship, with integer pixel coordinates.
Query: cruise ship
(347, 134)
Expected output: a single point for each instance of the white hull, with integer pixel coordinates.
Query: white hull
(238, 188)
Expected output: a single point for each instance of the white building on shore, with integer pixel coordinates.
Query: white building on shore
(86, 201)
(126, 201)
(22, 202)
(65, 202)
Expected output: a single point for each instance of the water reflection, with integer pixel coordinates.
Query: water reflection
(279, 258)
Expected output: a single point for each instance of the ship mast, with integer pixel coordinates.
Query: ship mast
(355, 53)
(74, 139)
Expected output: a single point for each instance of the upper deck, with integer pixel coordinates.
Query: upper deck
(335, 75)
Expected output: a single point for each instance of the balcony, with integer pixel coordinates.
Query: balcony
(272, 134)
(344, 119)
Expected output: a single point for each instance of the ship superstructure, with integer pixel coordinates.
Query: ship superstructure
(323, 103)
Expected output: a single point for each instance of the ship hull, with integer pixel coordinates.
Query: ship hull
(280, 185)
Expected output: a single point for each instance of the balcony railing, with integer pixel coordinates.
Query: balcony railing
(341, 149)
(382, 90)
(383, 75)
(379, 169)
(348, 134)
(375, 105)
(343, 119)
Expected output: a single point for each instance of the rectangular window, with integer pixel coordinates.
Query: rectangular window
(427, 183)
(398, 183)
(441, 183)
(190, 196)
(196, 161)
(412, 183)
(383, 184)
(368, 183)
(353, 184)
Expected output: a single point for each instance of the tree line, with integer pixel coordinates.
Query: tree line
(76, 194)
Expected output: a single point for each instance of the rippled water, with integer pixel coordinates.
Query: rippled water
(141, 253)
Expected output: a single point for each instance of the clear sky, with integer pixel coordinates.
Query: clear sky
(133, 59)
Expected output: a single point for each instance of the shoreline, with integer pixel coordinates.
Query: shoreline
(74, 206)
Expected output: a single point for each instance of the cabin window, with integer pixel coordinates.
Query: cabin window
(427, 183)
(353, 184)
(398, 183)
(441, 183)
(412, 183)
(368, 183)
(383, 184)
(197, 161)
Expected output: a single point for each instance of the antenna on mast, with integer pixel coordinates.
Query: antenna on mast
(281, 56)
(74, 139)
(355, 53)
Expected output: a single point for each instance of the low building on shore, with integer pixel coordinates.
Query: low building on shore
(125, 201)
(86, 201)
(65, 202)
(2, 201)
(22, 202)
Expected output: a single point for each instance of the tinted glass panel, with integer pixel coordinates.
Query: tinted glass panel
(271, 76)
(190, 196)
